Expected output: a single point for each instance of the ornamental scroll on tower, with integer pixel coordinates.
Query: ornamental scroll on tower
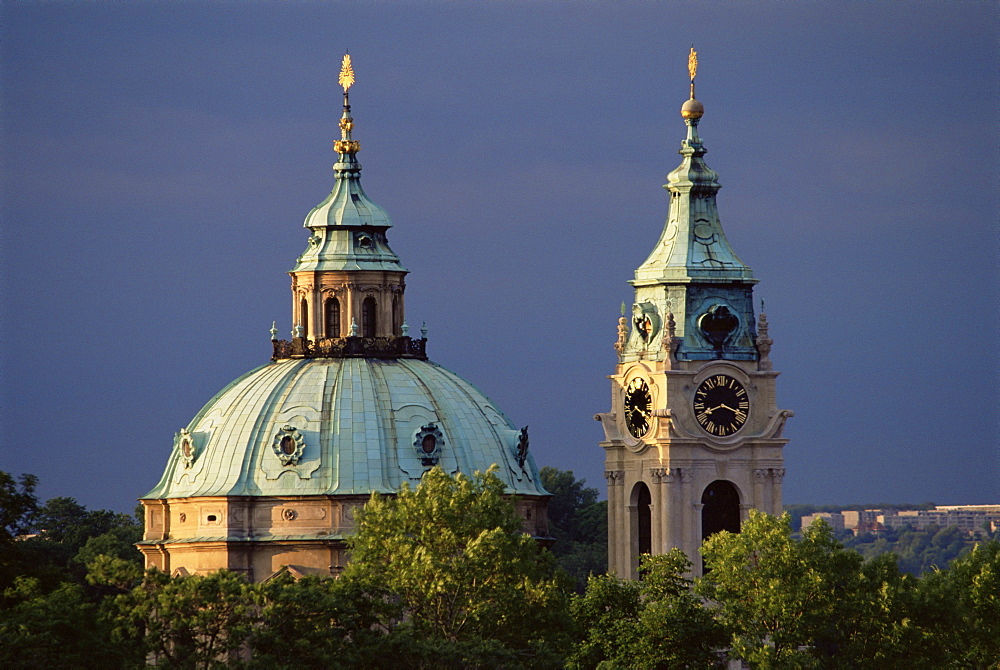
(693, 440)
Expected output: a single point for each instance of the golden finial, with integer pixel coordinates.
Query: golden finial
(346, 73)
(692, 109)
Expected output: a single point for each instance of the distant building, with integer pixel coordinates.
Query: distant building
(861, 521)
(834, 519)
(971, 519)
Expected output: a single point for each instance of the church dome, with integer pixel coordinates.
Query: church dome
(334, 426)
(271, 471)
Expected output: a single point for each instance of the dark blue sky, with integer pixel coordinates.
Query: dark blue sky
(158, 159)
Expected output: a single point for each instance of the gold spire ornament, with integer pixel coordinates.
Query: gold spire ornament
(346, 73)
(692, 110)
(346, 145)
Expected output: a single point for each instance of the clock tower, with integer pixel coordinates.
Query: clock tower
(694, 436)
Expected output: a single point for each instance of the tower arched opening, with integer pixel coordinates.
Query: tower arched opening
(642, 523)
(721, 509)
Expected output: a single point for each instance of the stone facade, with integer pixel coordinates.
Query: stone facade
(260, 536)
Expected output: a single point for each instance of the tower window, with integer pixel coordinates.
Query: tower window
(396, 321)
(331, 309)
(368, 320)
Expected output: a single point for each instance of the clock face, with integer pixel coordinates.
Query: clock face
(721, 405)
(638, 407)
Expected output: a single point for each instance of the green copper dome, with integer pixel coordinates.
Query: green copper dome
(329, 426)
(349, 405)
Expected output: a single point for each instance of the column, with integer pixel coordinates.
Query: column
(777, 476)
(693, 554)
(656, 512)
(688, 512)
(759, 477)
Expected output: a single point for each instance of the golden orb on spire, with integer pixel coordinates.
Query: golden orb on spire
(692, 109)
(346, 73)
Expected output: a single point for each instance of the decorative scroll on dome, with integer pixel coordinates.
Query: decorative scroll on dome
(350, 347)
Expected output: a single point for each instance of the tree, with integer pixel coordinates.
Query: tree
(194, 621)
(579, 524)
(55, 629)
(67, 537)
(657, 622)
(959, 609)
(452, 553)
(778, 598)
(18, 505)
(321, 622)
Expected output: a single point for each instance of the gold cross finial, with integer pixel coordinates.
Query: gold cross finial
(346, 73)
(692, 63)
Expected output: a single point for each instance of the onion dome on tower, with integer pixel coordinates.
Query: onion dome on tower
(268, 474)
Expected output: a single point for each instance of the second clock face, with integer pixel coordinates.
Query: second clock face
(638, 407)
(721, 405)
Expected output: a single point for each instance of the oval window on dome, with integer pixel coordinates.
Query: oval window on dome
(428, 442)
(288, 445)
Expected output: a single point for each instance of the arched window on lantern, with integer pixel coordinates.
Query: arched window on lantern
(304, 317)
(331, 317)
(368, 322)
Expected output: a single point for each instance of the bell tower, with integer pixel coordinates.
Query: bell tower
(694, 436)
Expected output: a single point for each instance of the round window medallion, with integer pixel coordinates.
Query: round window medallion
(288, 445)
(184, 443)
(428, 443)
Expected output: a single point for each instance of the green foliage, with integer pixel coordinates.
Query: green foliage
(320, 622)
(66, 537)
(452, 553)
(442, 576)
(18, 505)
(195, 621)
(579, 524)
(779, 598)
(918, 551)
(58, 629)
(960, 609)
(657, 622)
